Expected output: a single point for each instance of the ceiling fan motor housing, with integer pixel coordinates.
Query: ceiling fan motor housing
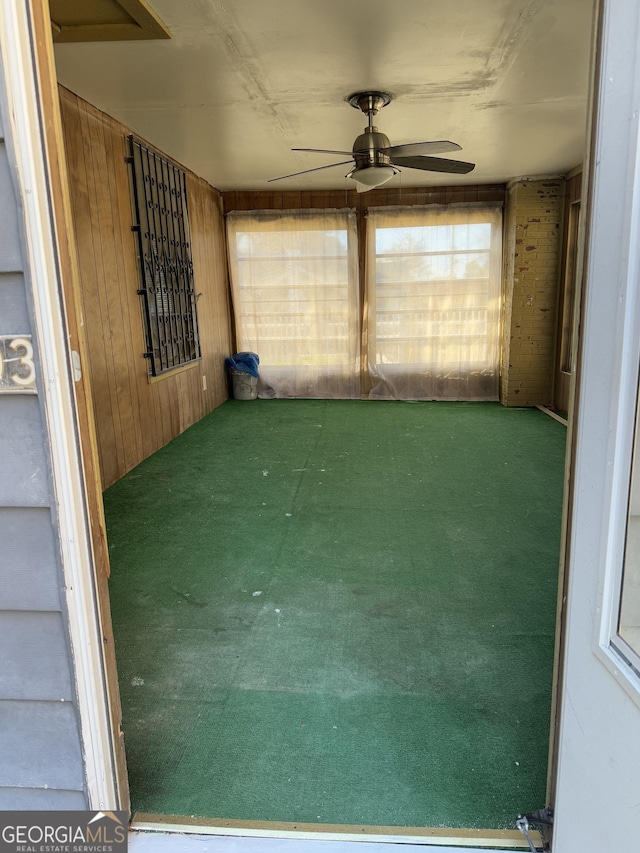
(367, 149)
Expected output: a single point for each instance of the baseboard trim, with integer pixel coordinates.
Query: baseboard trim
(553, 415)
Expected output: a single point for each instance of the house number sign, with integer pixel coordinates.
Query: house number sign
(17, 370)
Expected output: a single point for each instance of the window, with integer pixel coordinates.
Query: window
(429, 326)
(164, 255)
(294, 276)
(433, 302)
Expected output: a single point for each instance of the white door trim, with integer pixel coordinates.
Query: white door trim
(55, 385)
(619, 178)
(599, 750)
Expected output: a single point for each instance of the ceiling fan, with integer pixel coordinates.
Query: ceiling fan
(375, 161)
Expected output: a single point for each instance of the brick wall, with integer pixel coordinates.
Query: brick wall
(532, 250)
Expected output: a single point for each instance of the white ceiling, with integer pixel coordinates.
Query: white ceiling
(242, 81)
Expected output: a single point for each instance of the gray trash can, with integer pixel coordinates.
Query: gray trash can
(243, 369)
(245, 386)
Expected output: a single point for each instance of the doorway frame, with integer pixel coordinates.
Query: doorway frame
(26, 23)
(39, 175)
(32, 95)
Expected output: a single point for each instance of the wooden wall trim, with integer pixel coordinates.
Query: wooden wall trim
(301, 200)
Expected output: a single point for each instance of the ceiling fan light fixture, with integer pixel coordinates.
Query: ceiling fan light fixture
(373, 176)
(375, 161)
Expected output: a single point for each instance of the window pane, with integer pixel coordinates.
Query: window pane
(433, 289)
(295, 291)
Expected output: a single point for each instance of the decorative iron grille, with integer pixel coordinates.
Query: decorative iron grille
(164, 255)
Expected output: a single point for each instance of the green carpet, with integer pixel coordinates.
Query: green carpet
(340, 612)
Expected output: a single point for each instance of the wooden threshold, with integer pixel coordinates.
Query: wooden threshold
(507, 839)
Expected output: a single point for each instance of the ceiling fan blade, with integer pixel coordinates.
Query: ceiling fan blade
(419, 148)
(324, 151)
(434, 164)
(306, 171)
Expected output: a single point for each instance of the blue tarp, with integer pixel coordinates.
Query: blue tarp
(245, 362)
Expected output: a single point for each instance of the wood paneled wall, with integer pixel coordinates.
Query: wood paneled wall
(135, 416)
(300, 200)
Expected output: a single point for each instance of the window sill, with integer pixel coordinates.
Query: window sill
(174, 371)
